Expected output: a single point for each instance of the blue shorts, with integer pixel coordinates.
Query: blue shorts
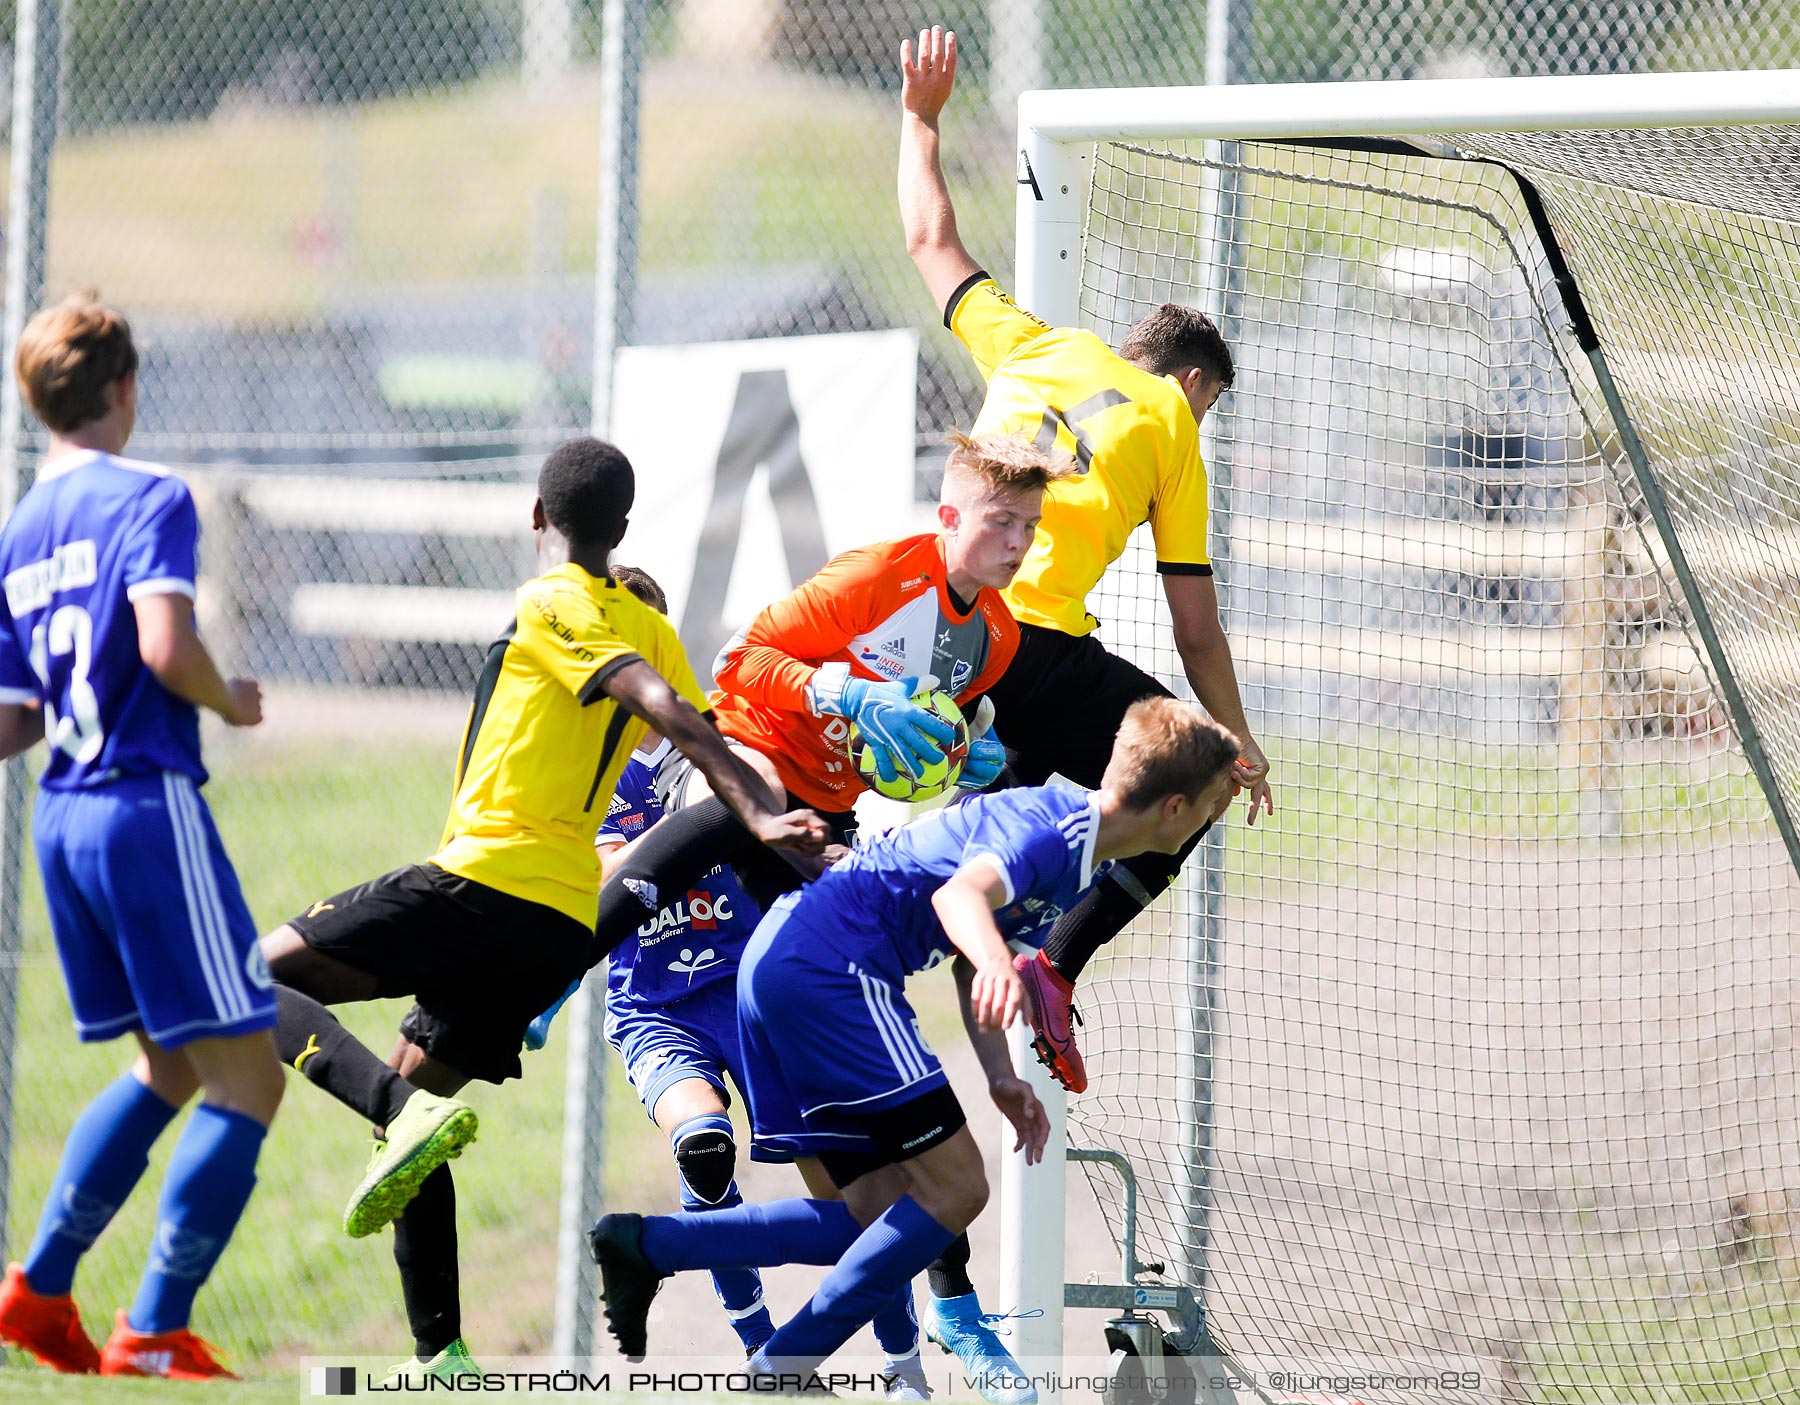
(692, 1038)
(150, 924)
(827, 1045)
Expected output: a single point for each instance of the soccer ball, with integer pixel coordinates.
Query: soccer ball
(939, 776)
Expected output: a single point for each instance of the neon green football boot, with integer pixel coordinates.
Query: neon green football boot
(453, 1361)
(426, 1133)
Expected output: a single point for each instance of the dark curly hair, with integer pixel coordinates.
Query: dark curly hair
(587, 486)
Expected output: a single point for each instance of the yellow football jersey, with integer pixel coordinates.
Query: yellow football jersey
(1133, 435)
(545, 744)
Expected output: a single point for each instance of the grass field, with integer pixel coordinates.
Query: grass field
(307, 816)
(302, 822)
(303, 819)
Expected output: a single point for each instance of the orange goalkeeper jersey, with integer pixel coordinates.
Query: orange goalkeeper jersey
(886, 610)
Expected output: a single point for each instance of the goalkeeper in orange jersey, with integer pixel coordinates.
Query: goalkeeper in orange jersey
(844, 650)
(1132, 418)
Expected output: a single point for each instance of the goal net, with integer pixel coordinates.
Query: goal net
(1481, 1056)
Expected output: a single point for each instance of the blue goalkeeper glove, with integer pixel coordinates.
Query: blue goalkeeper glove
(537, 1033)
(987, 757)
(904, 735)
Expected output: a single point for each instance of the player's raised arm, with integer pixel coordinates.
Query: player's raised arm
(644, 693)
(927, 76)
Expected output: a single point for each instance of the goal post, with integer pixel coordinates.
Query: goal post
(1484, 1050)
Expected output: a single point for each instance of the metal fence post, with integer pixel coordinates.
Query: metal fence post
(615, 279)
(36, 80)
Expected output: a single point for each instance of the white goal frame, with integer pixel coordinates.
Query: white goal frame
(1056, 136)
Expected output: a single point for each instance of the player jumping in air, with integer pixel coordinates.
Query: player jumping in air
(98, 651)
(836, 1066)
(1132, 418)
(671, 1013)
(496, 924)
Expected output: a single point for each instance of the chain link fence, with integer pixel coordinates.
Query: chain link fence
(357, 239)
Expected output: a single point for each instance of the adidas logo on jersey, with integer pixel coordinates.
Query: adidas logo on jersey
(619, 804)
(895, 646)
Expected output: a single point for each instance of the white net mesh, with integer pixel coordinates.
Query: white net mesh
(1487, 1051)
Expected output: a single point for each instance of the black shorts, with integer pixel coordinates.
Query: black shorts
(481, 964)
(1059, 704)
(900, 1133)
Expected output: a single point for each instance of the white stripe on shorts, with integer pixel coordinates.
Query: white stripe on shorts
(236, 982)
(880, 1000)
(206, 913)
(190, 895)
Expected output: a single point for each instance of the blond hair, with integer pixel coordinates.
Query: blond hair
(1003, 463)
(69, 355)
(1166, 747)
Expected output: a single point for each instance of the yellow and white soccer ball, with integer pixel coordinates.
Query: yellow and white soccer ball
(939, 776)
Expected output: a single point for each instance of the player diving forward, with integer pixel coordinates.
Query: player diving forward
(98, 649)
(1133, 419)
(836, 1065)
(671, 1013)
(496, 924)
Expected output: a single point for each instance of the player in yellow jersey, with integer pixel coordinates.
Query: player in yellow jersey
(499, 921)
(1132, 419)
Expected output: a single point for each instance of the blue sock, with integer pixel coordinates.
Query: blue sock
(211, 1174)
(886, 1258)
(103, 1158)
(897, 1326)
(740, 1290)
(751, 1236)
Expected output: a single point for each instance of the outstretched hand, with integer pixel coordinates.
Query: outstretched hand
(796, 832)
(927, 73)
(1252, 774)
(1020, 1106)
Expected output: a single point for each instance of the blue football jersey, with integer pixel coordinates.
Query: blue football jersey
(874, 908)
(94, 534)
(694, 941)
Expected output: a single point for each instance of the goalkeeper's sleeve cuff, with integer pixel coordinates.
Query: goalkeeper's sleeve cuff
(825, 690)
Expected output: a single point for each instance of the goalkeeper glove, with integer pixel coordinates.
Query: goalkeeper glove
(904, 735)
(987, 757)
(537, 1033)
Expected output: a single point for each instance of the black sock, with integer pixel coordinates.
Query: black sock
(1110, 906)
(949, 1276)
(310, 1039)
(425, 1253)
(674, 854)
